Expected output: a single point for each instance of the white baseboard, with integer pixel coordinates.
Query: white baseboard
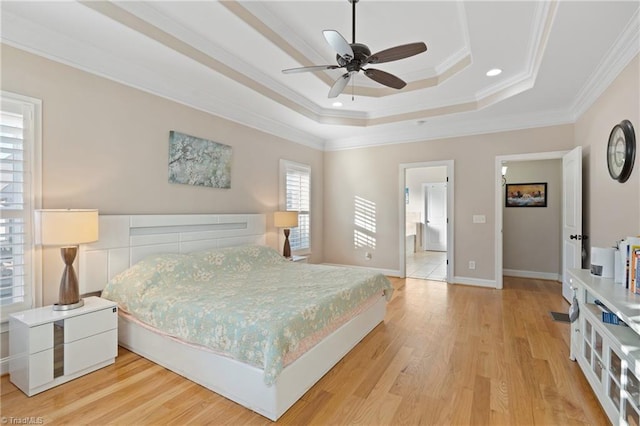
(532, 274)
(478, 282)
(4, 366)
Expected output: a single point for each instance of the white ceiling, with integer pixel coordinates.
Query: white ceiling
(226, 58)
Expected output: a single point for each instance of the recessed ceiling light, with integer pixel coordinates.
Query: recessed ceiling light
(337, 104)
(494, 72)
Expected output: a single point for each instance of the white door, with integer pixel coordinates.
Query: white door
(571, 216)
(435, 200)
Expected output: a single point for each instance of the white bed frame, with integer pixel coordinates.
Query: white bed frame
(126, 239)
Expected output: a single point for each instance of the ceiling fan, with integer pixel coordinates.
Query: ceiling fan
(354, 56)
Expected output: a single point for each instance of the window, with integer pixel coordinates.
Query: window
(19, 197)
(295, 196)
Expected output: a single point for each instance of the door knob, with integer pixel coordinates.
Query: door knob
(579, 237)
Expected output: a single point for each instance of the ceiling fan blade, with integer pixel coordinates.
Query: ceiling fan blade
(385, 78)
(339, 44)
(311, 69)
(398, 52)
(340, 84)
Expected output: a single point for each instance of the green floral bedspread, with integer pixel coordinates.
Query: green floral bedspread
(246, 302)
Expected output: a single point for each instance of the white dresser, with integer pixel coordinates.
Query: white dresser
(48, 347)
(609, 355)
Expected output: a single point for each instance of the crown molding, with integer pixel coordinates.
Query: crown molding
(625, 48)
(451, 128)
(24, 35)
(80, 54)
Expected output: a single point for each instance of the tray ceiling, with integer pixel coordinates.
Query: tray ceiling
(226, 57)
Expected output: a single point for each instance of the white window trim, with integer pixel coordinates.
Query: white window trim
(282, 201)
(35, 289)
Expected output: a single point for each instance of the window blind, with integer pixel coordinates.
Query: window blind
(297, 198)
(16, 204)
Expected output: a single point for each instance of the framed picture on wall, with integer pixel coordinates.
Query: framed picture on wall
(197, 161)
(526, 195)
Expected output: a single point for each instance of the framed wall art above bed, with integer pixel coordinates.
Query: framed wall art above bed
(197, 161)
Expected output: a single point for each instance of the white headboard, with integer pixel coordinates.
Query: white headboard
(125, 239)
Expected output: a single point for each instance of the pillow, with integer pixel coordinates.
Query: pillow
(237, 259)
(152, 271)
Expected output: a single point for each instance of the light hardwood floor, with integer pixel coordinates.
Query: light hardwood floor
(445, 355)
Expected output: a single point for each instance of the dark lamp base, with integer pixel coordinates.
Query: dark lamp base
(286, 251)
(68, 295)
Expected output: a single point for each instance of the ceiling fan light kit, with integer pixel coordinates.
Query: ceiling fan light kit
(354, 56)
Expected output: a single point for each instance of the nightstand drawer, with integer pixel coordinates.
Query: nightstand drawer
(41, 370)
(83, 326)
(40, 338)
(85, 353)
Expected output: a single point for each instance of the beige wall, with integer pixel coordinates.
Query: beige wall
(373, 173)
(105, 146)
(612, 209)
(532, 237)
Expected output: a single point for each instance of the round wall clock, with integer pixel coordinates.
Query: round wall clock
(621, 151)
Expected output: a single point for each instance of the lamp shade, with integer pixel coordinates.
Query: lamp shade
(59, 227)
(285, 219)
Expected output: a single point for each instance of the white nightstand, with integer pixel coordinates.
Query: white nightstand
(48, 348)
(299, 259)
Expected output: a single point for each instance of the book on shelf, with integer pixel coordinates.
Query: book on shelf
(630, 260)
(636, 278)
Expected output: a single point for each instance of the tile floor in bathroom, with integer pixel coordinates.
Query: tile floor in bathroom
(427, 265)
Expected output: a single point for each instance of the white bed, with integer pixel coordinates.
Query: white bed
(126, 239)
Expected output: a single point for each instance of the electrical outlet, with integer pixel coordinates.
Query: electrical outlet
(368, 256)
(472, 264)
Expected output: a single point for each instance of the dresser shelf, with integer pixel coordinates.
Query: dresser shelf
(609, 355)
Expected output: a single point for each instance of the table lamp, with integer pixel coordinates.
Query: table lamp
(286, 220)
(67, 229)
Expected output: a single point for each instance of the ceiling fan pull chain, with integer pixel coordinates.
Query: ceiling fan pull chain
(353, 84)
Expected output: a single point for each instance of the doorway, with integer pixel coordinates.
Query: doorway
(426, 220)
(568, 219)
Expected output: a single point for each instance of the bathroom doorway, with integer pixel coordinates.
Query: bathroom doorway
(427, 226)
